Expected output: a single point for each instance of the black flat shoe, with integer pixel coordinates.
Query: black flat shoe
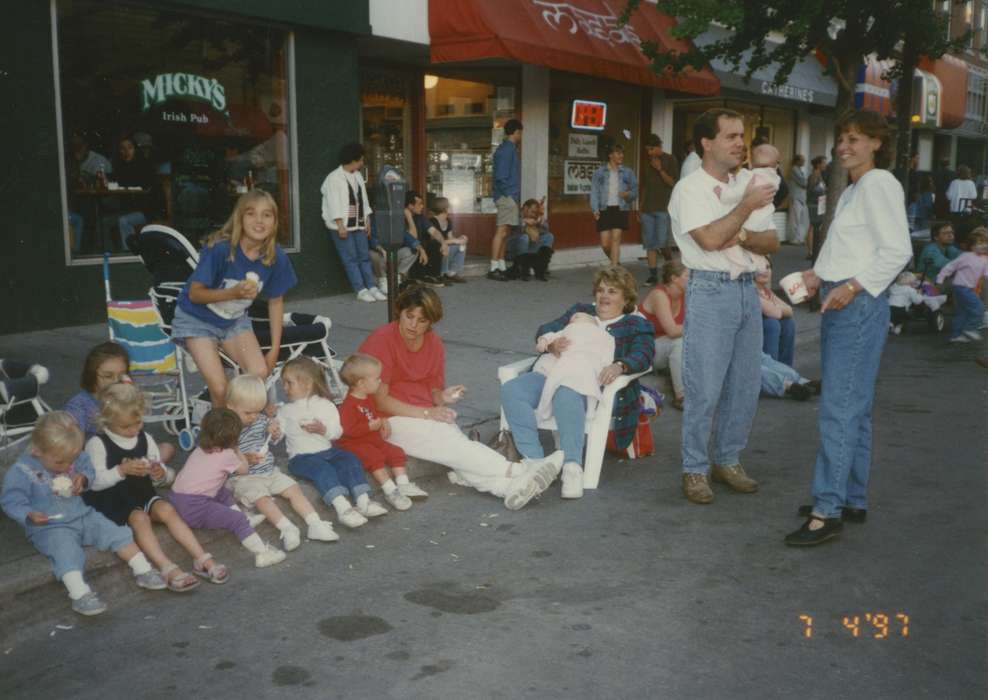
(805, 537)
(848, 514)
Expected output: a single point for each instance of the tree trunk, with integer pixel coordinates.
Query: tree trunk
(838, 175)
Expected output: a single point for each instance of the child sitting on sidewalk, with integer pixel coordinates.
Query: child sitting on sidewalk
(41, 494)
(105, 364)
(127, 467)
(967, 269)
(200, 495)
(365, 433)
(578, 367)
(311, 423)
(247, 397)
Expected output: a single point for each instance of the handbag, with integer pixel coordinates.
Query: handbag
(504, 444)
(641, 445)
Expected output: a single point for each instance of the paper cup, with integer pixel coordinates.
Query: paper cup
(795, 287)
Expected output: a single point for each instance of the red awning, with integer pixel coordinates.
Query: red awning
(579, 36)
(952, 74)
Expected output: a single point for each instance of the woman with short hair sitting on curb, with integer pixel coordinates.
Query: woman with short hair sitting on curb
(414, 396)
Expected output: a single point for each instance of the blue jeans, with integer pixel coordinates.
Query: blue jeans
(969, 311)
(78, 225)
(129, 223)
(453, 263)
(520, 397)
(775, 375)
(333, 471)
(655, 229)
(355, 256)
(722, 342)
(851, 341)
(779, 339)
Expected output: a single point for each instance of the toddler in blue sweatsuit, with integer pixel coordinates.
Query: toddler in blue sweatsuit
(41, 493)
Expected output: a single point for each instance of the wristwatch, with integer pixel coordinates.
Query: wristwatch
(743, 236)
(624, 366)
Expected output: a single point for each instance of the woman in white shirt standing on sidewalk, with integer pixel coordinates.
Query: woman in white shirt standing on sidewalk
(867, 245)
(346, 211)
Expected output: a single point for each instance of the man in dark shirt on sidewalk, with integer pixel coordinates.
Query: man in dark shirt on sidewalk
(659, 176)
(507, 195)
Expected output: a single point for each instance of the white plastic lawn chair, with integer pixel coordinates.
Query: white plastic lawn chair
(598, 417)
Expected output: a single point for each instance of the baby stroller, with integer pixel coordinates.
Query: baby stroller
(21, 404)
(171, 259)
(154, 364)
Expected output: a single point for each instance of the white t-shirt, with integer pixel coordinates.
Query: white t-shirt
(869, 237)
(613, 185)
(697, 200)
(958, 190)
(690, 163)
(294, 415)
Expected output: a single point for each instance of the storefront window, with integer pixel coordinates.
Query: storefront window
(464, 124)
(166, 118)
(386, 120)
(574, 152)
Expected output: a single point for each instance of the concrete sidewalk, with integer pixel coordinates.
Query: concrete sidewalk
(486, 324)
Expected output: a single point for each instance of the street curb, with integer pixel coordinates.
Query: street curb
(29, 593)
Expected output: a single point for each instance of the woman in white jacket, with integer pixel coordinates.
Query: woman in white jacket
(346, 211)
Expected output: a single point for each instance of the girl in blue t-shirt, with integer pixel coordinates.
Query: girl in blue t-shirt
(239, 262)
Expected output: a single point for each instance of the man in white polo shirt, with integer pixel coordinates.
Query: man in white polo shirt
(722, 332)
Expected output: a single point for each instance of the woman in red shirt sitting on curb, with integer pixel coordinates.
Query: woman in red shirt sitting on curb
(665, 307)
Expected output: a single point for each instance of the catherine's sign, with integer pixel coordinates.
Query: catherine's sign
(167, 86)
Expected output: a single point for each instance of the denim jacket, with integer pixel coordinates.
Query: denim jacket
(598, 188)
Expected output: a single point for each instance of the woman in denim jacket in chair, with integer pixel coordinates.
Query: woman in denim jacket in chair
(615, 292)
(613, 188)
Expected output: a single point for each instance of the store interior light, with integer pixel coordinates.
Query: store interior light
(916, 119)
(431, 81)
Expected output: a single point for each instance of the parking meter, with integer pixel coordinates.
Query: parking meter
(389, 218)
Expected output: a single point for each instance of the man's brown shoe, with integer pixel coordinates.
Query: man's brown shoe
(733, 475)
(696, 488)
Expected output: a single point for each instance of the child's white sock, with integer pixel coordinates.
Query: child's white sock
(362, 500)
(341, 504)
(285, 524)
(494, 265)
(254, 544)
(402, 478)
(139, 564)
(389, 486)
(75, 585)
(312, 518)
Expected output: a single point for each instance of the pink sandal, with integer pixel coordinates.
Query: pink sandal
(181, 583)
(217, 573)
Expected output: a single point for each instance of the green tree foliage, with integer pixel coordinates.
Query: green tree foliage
(844, 33)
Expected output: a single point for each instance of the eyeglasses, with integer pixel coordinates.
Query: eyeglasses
(112, 376)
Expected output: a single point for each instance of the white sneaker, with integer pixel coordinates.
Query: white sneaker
(365, 295)
(572, 480)
(412, 490)
(382, 284)
(456, 479)
(398, 500)
(269, 557)
(896, 330)
(373, 509)
(378, 294)
(960, 339)
(291, 539)
(538, 476)
(322, 531)
(352, 518)
(973, 335)
(89, 604)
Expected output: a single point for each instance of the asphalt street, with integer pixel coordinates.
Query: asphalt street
(631, 592)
